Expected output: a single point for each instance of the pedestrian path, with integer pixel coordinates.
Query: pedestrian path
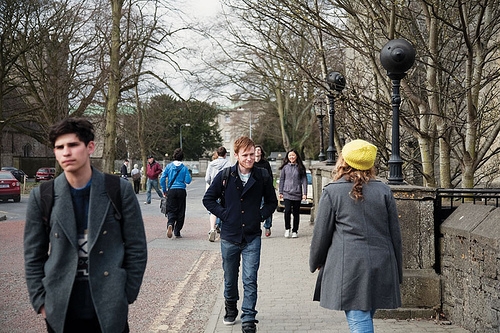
(285, 293)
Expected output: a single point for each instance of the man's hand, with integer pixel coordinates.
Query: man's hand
(42, 312)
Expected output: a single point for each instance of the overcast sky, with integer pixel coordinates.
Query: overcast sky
(197, 12)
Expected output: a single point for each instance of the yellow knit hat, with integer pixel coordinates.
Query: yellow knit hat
(359, 154)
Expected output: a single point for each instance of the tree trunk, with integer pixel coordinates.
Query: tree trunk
(427, 153)
(109, 150)
(444, 164)
(281, 112)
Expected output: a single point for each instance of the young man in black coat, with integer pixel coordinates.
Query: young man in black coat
(241, 213)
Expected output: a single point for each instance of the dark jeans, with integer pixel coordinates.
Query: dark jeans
(176, 203)
(292, 207)
(82, 326)
(137, 185)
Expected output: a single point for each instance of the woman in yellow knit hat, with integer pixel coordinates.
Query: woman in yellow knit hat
(356, 242)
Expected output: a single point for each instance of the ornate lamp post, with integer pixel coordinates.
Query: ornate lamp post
(336, 82)
(397, 56)
(318, 109)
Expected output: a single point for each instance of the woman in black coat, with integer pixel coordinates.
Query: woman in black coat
(356, 241)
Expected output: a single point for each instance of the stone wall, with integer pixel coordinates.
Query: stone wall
(470, 267)
(421, 288)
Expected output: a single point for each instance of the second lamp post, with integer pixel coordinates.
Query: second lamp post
(336, 82)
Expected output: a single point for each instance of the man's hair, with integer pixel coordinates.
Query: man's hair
(243, 143)
(221, 151)
(83, 129)
(178, 154)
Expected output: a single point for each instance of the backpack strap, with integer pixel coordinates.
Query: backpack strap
(111, 182)
(225, 177)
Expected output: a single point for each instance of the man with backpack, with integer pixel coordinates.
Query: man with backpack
(85, 247)
(236, 198)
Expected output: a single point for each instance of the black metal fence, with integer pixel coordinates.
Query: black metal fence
(447, 200)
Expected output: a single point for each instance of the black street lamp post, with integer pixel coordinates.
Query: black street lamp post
(397, 56)
(318, 109)
(336, 82)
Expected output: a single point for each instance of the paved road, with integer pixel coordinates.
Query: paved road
(182, 285)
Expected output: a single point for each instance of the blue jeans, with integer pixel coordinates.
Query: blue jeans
(250, 255)
(152, 183)
(360, 321)
(268, 223)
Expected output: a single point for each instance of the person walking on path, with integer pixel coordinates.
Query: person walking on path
(136, 178)
(262, 162)
(178, 177)
(86, 263)
(153, 170)
(124, 170)
(292, 189)
(241, 213)
(214, 167)
(356, 241)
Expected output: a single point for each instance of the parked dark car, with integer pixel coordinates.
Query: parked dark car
(10, 187)
(18, 173)
(45, 173)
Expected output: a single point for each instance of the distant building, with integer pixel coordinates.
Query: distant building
(235, 120)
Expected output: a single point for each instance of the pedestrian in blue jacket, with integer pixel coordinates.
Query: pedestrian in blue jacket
(178, 177)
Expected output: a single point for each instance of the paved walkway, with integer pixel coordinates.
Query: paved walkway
(285, 293)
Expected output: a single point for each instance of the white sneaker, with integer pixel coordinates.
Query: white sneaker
(287, 233)
(211, 235)
(295, 235)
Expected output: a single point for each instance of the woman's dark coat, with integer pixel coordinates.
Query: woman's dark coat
(357, 244)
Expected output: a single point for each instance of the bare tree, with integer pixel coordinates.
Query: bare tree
(55, 75)
(449, 93)
(14, 26)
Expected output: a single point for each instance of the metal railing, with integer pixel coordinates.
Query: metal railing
(447, 200)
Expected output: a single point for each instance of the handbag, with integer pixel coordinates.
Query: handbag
(163, 205)
(163, 200)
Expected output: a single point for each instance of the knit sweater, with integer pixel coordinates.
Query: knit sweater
(293, 185)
